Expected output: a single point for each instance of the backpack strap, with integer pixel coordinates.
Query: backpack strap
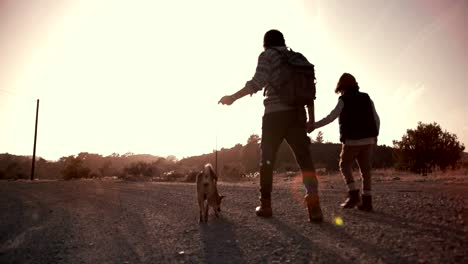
(282, 53)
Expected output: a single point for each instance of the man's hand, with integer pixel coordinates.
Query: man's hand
(310, 127)
(227, 100)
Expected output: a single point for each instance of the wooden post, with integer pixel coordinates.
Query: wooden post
(216, 156)
(35, 140)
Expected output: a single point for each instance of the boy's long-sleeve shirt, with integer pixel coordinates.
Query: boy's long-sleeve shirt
(335, 113)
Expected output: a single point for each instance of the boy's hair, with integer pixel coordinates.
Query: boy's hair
(273, 38)
(347, 82)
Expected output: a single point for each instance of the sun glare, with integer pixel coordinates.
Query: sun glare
(146, 76)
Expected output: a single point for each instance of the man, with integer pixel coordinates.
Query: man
(359, 128)
(280, 121)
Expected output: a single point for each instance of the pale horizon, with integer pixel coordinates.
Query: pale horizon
(146, 76)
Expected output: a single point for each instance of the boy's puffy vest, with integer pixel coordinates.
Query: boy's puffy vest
(357, 117)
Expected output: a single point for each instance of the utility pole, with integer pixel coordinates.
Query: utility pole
(35, 140)
(216, 155)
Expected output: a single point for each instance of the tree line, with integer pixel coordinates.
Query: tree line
(420, 150)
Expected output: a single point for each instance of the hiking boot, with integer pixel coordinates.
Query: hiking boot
(264, 210)
(313, 207)
(366, 204)
(352, 200)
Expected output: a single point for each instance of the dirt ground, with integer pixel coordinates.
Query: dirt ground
(416, 220)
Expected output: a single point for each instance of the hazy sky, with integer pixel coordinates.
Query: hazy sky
(145, 76)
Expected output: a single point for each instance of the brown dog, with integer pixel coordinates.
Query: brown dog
(207, 193)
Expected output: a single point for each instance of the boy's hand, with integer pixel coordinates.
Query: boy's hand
(227, 100)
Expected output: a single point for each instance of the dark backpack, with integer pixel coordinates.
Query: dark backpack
(296, 82)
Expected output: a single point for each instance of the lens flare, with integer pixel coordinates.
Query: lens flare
(297, 188)
(338, 221)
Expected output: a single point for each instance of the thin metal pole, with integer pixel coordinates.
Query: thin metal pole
(216, 155)
(35, 140)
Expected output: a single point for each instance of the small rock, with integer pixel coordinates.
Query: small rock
(278, 251)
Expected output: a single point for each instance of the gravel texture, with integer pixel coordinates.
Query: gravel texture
(416, 220)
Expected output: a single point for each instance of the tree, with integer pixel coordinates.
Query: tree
(139, 169)
(15, 167)
(285, 159)
(319, 138)
(250, 156)
(171, 158)
(105, 167)
(74, 168)
(92, 161)
(428, 147)
(253, 139)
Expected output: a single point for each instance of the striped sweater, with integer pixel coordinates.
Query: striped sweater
(266, 73)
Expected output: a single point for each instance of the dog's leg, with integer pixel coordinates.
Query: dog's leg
(201, 209)
(207, 206)
(200, 220)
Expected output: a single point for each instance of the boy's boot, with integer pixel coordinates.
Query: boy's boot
(352, 200)
(366, 204)
(313, 207)
(264, 210)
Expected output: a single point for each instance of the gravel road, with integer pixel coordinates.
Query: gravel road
(108, 221)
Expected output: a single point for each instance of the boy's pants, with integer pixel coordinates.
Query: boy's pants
(363, 155)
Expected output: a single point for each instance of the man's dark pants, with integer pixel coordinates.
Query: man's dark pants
(289, 125)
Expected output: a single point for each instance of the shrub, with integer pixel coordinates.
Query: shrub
(427, 147)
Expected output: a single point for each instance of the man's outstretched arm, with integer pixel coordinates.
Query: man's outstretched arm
(229, 99)
(257, 83)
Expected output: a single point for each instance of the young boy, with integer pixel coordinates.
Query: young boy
(359, 128)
